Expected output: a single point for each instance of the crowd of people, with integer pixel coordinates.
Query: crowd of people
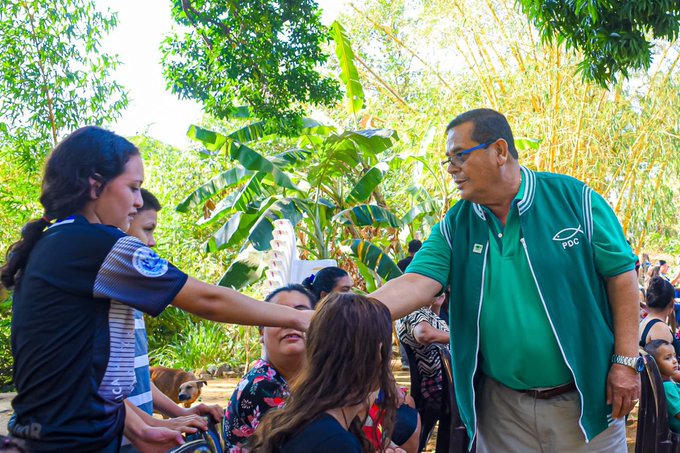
(540, 254)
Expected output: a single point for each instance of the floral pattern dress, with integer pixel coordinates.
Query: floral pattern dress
(262, 389)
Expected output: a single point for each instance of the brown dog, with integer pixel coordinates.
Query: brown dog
(180, 386)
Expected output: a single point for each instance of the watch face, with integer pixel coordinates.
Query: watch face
(640, 364)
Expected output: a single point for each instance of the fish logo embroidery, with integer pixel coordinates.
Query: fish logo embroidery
(568, 237)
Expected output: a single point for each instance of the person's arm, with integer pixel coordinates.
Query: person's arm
(226, 305)
(623, 382)
(407, 293)
(183, 424)
(425, 277)
(676, 280)
(149, 439)
(167, 407)
(426, 334)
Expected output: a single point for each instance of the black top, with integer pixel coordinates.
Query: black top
(73, 333)
(324, 435)
(403, 264)
(648, 327)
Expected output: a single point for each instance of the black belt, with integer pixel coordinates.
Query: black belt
(550, 393)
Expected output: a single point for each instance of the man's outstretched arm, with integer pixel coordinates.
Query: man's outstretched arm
(407, 293)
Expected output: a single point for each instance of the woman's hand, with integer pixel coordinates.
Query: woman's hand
(215, 411)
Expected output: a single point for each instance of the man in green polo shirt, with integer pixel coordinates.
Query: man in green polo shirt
(543, 310)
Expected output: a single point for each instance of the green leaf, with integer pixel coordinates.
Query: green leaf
(233, 232)
(367, 215)
(261, 233)
(291, 157)
(427, 140)
(252, 160)
(367, 184)
(369, 277)
(245, 270)
(250, 133)
(524, 143)
(371, 141)
(250, 192)
(375, 259)
(242, 111)
(425, 208)
(348, 71)
(220, 182)
(311, 126)
(213, 141)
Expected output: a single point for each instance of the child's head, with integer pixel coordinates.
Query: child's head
(664, 356)
(144, 222)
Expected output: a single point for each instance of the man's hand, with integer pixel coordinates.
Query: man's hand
(153, 439)
(623, 389)
(215, 411)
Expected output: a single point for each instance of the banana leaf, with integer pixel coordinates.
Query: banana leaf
(424, 208)
(232, 233)
(220, 182)
(213, 141)
(348, 71)
(367, 215)
(371, 141)
(252, 160)
(367, 184)
(375, 259)
(247, 269)
(262, 231)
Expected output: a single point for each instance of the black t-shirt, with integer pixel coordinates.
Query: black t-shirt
(73, 333)
(324, 435)
(403, 264)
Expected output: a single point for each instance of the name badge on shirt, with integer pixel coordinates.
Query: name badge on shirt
(478, 248)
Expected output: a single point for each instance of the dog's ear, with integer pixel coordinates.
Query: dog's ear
(201, 383)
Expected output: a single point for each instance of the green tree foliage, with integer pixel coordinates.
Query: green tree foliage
(258, 52)
(421, 67)
(615, 37)
(327, 182)
(54, 76)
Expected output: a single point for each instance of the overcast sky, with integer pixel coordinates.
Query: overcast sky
(136, 40)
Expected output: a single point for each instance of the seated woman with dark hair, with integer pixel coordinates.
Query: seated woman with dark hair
(266, 384)
(349, 349)
(659, 299)
(327, 280)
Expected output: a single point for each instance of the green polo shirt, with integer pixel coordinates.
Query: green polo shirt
(517, 344)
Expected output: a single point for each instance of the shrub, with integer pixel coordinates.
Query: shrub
(203, 343)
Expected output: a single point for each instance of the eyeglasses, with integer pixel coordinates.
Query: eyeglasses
(458, 160)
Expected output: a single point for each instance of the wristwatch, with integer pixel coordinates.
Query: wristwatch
(636, 363)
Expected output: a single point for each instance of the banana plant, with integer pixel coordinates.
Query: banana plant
(327, 182)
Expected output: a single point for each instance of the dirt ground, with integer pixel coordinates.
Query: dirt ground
(218, 391)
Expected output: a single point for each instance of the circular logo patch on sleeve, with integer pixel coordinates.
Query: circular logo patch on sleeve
(148, 263)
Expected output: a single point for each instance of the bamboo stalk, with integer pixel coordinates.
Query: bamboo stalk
(391, 35)
(383, 83)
